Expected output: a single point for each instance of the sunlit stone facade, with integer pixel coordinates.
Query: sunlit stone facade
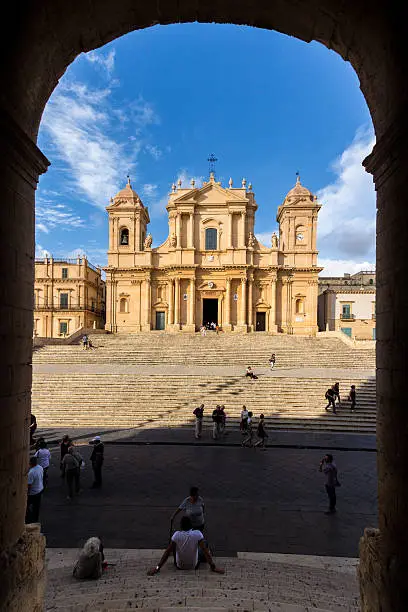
(69, 294)
(211, 267)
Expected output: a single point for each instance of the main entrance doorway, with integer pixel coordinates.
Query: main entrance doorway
(260, 321)
(210, 311)
(160, 319)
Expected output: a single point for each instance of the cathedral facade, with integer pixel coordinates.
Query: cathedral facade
(211, 268)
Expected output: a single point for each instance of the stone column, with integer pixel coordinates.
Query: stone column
(230, 226)
(22, 549)
(242, 231)
(191, 231)
(242, 326)
(385, 587)
(250, 302)
(272, 316)
(177, 303)
(178, 229)
(227, 316)
(191, 306)
(170, 290)
(148, 304)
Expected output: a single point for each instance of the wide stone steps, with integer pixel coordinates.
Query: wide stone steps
(252, 349)
(292, 585)
(115, 400)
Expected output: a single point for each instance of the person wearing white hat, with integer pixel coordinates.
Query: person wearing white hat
(97, 457)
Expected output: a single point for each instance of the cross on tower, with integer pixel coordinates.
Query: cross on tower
(212, 161)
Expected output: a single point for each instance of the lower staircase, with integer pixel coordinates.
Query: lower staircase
(156, 401)
(284, 583)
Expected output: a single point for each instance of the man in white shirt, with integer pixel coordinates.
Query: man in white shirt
(185, 544)
(35, 489)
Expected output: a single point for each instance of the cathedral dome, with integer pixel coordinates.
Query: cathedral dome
(127, 192)
(299, 190)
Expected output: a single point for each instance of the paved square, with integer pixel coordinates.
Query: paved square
(260, 501)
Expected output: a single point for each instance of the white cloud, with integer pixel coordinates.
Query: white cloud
(96, 256)
(106, 62)
(49, 216)
(78, 121)
(185, 177)
(154, 151)
(346, 226)
(40, 252)
(337, 267)
(149, 190)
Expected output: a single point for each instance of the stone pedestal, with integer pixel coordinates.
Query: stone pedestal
(189, 327)
(22, 573)
(241, 328)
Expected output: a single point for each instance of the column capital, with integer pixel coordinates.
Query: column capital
(19, 152)
(389, 152)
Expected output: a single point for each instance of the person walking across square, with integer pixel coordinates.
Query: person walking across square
(329, 468)
(261, 432)
(329, 395)
(249, 432)
(217, 422)
(199, 414)
(97, 459)
(243, 425)
(43, 458)
(35, 491)
(336, 391)
(352, 398)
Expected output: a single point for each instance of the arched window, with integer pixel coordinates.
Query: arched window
(123, 305)
(124, 236)
(210, 239)
(300, 306)
(371, 281)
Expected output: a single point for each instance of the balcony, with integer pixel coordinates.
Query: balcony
(347, 316)
(71, 308)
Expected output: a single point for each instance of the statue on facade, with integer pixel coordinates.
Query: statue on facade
(148, 241)
(274, 241)
(251, 240)
(173, 240)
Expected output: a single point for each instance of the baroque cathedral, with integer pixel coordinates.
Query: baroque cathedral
(212, 268)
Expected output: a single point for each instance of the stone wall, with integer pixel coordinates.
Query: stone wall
(369, 571)
(22, 572)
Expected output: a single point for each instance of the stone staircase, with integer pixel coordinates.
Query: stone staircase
(159, 348)
(284, 583)
(156, 401)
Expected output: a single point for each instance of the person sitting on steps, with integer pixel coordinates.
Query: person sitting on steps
(250, 373)
(185, 545)
(91, 561)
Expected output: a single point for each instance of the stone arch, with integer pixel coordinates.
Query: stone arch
(124, 236)
(39, 42)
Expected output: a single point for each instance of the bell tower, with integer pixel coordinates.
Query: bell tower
(128, 219)
(297, 218)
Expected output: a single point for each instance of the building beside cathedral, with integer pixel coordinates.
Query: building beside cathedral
(211, 268)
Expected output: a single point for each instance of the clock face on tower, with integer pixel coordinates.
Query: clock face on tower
(299, 237)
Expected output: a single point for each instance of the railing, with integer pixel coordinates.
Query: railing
(70, 307)
(347, 317)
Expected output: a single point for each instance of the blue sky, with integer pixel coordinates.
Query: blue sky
(155, 103)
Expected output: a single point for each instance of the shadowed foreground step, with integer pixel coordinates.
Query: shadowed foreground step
(286, 583)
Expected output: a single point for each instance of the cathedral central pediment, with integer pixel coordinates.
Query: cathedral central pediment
(210, 193)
